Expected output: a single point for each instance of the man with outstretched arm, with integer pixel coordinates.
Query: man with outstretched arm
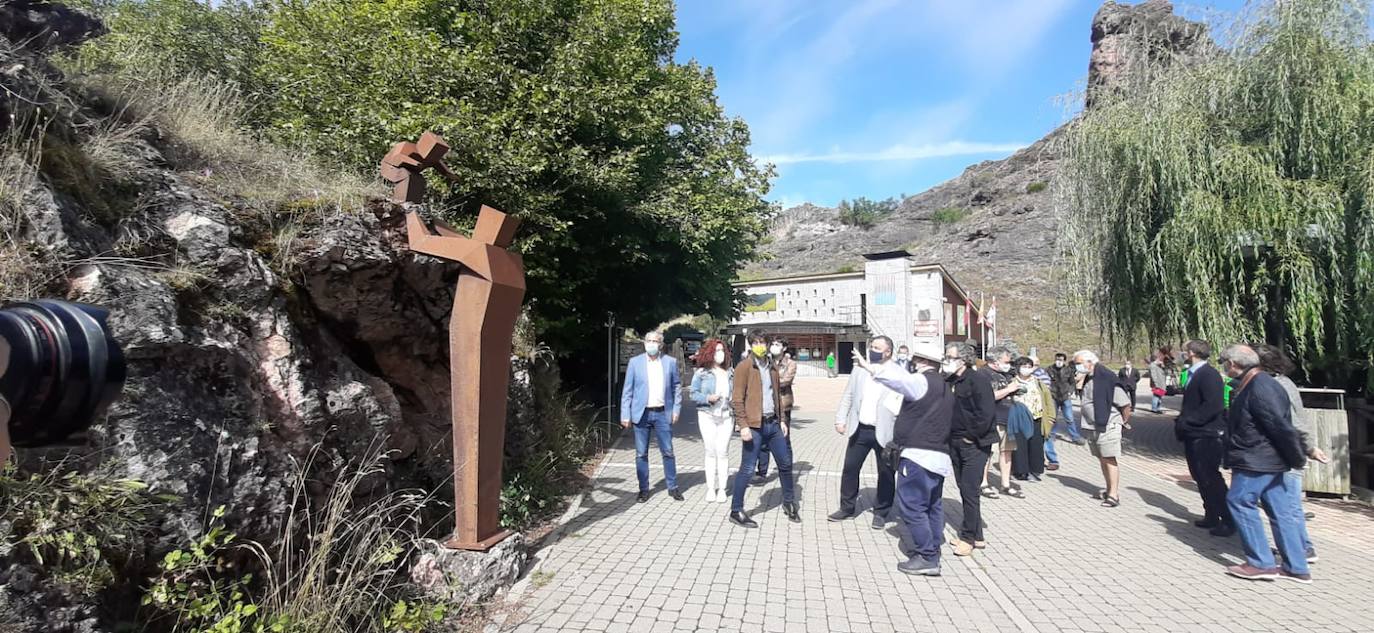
(920, 440)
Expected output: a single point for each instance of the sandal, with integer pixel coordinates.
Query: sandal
(1015, 493)
(1101, 494)
(989, 492)
(1110, 502)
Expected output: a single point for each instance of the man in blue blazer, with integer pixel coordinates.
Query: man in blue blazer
(650, 396)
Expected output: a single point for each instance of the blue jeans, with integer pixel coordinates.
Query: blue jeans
(919, 502)
(1050, 454)
(770, 434)
(1066, 408)
(1293, 484)
(655, 422)
(1155, 403)
(1247, 489)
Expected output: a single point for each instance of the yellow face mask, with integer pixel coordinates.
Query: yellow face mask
(759, 350)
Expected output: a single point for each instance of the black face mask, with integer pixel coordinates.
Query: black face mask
(875, 357)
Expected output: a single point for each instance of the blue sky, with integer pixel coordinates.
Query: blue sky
(882, 97)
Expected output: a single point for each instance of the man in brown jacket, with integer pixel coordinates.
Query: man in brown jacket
(787, 373)
(758, 409)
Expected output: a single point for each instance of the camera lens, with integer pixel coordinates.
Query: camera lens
(64, 369)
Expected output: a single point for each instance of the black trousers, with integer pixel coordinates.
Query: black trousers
(1030, 453)
(969, 462)
(1204, 457)
(861, 443)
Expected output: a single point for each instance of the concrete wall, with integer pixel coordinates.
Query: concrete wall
(829, 300)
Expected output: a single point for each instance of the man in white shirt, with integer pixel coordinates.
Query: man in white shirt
(920, 438)
(865, 416)
(650, 401)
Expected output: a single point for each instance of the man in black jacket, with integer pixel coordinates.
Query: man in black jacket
(972, 434)
(920, 441)
(1201, 426)
(1063, 386)
(1262, 445)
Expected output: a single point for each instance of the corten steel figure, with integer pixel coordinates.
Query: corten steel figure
(485, 307)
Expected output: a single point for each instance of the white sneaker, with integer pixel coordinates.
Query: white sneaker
(720, 496)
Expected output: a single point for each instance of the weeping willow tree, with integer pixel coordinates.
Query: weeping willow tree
(1228, 196)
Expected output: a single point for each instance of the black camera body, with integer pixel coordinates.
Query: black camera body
(60, 369)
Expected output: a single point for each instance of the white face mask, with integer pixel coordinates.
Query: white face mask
(775, 350)
(1026, 372)
(720, 356)
(1059, 363)
(651, 347)
(1082, 369)
(902, 358)
(951, 366)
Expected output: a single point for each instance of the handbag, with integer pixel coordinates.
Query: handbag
(1159, 393)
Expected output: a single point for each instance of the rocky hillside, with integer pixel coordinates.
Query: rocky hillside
(994, 226)
(275, 342)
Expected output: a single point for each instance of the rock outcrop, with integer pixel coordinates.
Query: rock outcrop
(242, 373)
(1127, 38)
(994, 226)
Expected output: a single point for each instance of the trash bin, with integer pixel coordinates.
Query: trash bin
(1325, 410)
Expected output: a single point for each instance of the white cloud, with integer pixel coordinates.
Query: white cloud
(800, 57)
(898, 152)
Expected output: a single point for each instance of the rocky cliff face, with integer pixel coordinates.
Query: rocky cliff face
(242, 371)
(995, 226)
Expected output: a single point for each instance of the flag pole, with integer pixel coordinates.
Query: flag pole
(983, 322)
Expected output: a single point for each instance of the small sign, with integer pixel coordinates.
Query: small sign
(926, 329)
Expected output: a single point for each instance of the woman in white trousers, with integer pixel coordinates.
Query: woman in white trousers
(711, 393)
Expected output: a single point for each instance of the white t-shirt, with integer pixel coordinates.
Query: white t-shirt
(655, 368)
(722, 389)
(870, 398)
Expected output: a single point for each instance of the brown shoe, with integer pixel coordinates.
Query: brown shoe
(1252, 573)
(963, 548)
(1051, 466)
(1305, 579)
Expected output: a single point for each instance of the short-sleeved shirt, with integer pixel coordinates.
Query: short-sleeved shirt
(1119, 400)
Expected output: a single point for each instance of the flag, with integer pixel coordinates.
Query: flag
(992, 311)
(981, 304)
(968, 314)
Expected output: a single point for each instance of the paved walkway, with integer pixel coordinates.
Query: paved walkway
(1056, 561)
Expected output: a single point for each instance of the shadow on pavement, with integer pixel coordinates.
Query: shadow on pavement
(1179, 524)
(1090, 489)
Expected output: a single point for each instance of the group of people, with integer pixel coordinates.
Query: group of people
(926, 419)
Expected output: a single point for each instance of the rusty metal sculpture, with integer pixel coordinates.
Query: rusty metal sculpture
(486, 304)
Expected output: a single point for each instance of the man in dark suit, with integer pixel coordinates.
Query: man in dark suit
(1130, 377)
(1201, 426)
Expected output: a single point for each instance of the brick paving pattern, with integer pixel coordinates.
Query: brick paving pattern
(1056, 561)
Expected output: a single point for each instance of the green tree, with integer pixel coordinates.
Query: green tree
(864, 213)
(1230, 197)
(157, 40)
(638, 194)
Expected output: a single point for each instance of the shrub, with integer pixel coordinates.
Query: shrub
(864, 213)
(543, 459)
(336, 567)
(83, 529)
(1037, 186)
(949, 215)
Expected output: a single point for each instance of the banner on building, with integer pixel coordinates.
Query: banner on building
(767, 302)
